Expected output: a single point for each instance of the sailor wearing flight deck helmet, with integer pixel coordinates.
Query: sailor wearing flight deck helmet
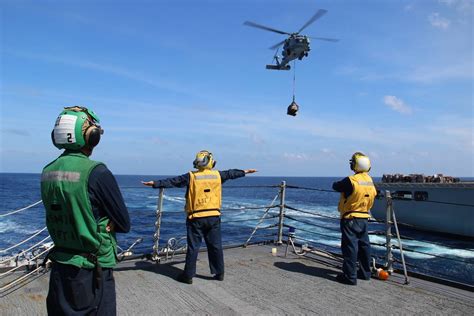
(357, 197)
(203, 204)
(82, 218)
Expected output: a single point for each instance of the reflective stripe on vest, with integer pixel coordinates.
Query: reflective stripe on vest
(204, 195)
(362, 198)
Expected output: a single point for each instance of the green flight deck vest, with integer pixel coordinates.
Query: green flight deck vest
(69, 217)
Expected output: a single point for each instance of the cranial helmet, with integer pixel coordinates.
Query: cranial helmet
(75, 128)
(204, 160)
(360, 162)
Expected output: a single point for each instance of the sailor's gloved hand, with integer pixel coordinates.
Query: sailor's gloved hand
(250, 171)
(148, 183)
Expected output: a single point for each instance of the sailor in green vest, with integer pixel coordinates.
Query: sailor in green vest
(203, 204)
(84, 210)
(357, 197)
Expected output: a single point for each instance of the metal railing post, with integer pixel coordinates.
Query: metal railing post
(388, 232)
(400, 246)
(282, 212)
(156, 235)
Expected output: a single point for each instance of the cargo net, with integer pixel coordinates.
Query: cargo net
(418, 178)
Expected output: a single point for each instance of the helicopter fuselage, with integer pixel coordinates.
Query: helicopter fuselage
(295, 46)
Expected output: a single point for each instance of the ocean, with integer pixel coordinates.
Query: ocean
(244, 200)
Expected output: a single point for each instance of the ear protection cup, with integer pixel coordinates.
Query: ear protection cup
(352, 163)
(92, 136)
(52, 138)
(360, 162)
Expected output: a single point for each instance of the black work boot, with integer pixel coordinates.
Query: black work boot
(184, 279)
(219, 277)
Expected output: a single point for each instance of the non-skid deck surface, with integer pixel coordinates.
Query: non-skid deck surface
(256, 283)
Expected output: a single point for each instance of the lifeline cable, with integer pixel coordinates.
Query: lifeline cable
(314, 233)
(311, 189)
(306, 212)
(311, 224)
(21, 209)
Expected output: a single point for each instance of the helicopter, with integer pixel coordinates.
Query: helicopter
(295, 46)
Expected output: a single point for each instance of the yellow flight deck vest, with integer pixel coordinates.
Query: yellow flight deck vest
(362, 198)
(204, 196)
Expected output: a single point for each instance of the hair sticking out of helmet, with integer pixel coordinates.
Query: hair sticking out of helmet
(204, 160)
(75, 128)
(360, 162)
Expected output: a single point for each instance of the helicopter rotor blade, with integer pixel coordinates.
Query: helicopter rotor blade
(276, 45)
(316, 16)
(324, 39)
(249, 23)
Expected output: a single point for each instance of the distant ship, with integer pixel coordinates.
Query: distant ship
(434, 203)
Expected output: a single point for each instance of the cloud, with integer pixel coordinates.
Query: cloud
(447, 2)
(438, 21)
(296, 156)
(397, 104)
(463, 6)
(257, 139)
(109, 69)
(15, 131)
(424, 74)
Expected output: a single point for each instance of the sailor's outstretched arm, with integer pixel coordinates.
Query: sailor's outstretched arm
(234, 174)
(179, 182)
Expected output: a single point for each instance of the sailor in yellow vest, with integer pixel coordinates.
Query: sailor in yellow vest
(203, 203)
(357, 197)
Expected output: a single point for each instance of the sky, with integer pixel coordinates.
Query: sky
(170, 78)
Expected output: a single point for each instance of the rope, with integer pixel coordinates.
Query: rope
(294, 79)
(311, 213)
(21, 209)
(308, 223)
(22, 242)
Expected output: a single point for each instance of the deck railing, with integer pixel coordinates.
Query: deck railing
(305, 230)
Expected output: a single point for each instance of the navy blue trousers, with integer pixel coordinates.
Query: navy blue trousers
(72, 291)
(208, 228)
(355, 246)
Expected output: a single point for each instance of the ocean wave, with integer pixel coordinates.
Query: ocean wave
(16, 228)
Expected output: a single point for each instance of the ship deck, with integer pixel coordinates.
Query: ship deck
(256, 283)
